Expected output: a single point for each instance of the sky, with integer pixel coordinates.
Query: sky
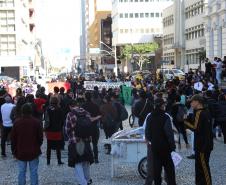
(58, 26)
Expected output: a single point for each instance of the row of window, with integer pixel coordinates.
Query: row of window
(167, 21)
(7, 3)
(168, 39)
(195, 34)
(140, 15)
(194, 10)
(7, 44)
(192, 56)
(141, 30)
(7, 20)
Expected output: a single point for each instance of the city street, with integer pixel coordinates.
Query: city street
(100, 173)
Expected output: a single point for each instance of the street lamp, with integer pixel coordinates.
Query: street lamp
(115, 56)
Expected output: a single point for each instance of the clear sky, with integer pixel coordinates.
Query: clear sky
(58, 26)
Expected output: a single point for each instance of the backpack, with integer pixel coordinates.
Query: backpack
(110, 121)
(83, 128)
(180, 113)
(122, 112)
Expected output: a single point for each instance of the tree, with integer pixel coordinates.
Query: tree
(139, 51)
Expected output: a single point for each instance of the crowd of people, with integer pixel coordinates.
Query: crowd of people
(197, 103)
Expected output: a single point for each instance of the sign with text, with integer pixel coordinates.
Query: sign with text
(89, 85)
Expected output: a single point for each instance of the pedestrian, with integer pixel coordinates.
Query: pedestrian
(203, 140)
(94, 111)
(219, 66)
(178, 112)
(7, 123)
(16, 111)
(27, 138)
(220, 108)
(54, 121)
(109, 117)
(159, 132)
(142, 107)
(80, 155)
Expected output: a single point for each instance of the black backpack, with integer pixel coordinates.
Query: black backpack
(83, 128)
(122, 112)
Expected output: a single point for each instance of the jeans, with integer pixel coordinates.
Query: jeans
(5, 133)
(218, 77)
(82, 172)
(33, 166)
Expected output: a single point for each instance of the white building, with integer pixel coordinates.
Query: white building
(216, 29)
(137, 21)
(184, 32)
(16, 35)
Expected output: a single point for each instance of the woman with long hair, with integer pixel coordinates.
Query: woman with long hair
(54, 119)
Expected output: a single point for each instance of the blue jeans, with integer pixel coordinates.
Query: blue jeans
(33, 166)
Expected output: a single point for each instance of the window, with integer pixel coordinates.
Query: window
(136, 15)
(156, 14)
(126, 15)
(135, 0)
(152, 14)
(126, 30)
(121, 30)
(146, 15)
(121, 15)
(131, 15)
(141, 15)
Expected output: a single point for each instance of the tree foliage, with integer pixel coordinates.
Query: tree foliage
(140, 51)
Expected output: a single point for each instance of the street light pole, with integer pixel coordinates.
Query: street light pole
(115, 56)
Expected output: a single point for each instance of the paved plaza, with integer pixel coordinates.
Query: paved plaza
(126, 175)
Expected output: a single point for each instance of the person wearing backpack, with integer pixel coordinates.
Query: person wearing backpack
(109, 117)
(79, 131)
(142, 107)
(178, 112)
(121, 110)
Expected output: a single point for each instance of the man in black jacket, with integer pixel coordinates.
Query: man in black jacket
(142, 107)
(94, 111)
(203, 140)
(159, 132)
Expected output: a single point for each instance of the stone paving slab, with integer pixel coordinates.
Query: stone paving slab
(127, 174)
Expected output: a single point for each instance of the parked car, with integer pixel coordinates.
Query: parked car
(169, 74)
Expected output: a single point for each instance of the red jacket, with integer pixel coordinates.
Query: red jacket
(27, 138)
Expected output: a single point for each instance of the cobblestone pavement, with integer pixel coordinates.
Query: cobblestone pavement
(127, 175)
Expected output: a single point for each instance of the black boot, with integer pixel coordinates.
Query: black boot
(58, 152)
(48, 153)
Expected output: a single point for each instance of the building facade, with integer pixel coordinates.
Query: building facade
(16, 36)
(137, 21)
(99, 34)
(184, 33)
(216, 29)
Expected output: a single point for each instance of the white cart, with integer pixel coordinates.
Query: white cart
(129, 147)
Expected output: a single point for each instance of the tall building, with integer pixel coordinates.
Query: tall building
(184, 33)
(137, 21)
(16, 36)
(83, 59)
(100, 35)
(216, 29)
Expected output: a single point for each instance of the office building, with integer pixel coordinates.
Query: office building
(184, 33)
(215, 29)
(16, 36)
(137, 21)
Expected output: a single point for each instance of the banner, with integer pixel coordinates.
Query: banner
(126, 91)
(89, 85)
